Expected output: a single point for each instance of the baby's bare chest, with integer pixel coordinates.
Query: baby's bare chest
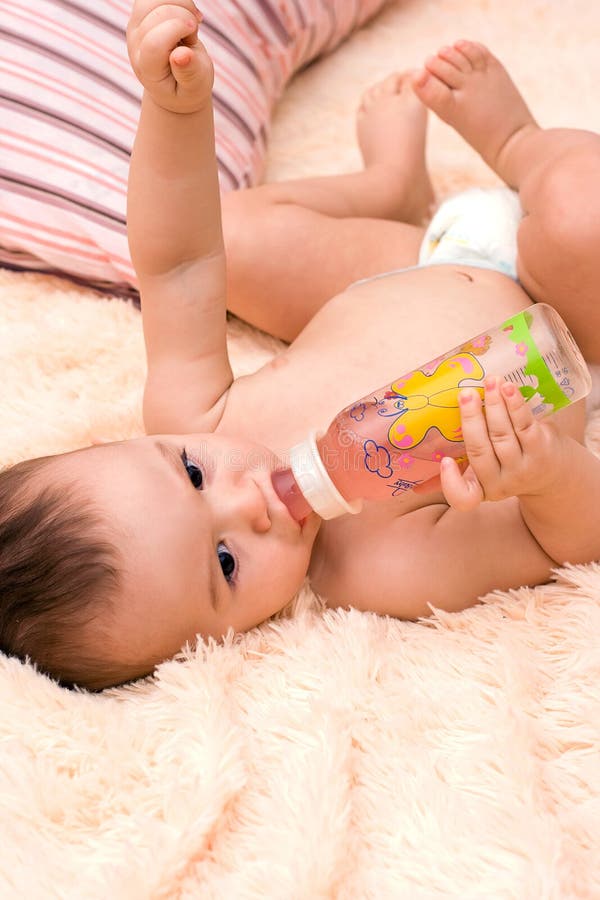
(358, 342)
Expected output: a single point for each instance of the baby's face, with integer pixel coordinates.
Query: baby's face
(206, 541)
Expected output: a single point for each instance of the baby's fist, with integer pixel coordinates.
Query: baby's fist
(510, 452)
(166, 55)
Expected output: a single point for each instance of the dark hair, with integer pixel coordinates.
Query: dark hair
(58, 573)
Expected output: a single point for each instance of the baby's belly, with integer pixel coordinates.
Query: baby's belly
(365, 338)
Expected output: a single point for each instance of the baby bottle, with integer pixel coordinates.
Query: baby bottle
(393, 439)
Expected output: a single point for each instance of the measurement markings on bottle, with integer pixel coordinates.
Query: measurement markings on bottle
(556, 366)
(559, 369)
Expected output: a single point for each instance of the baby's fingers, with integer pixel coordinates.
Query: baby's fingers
(461, 490)
(500, 426)
(526, 427)
(157, 44)
(147, 13)
(478, 444)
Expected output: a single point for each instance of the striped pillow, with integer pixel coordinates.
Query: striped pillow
(70, 104)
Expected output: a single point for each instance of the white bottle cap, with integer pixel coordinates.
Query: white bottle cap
(314, 481)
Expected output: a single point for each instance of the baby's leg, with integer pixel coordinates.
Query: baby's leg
(556, 171)
(291, 246)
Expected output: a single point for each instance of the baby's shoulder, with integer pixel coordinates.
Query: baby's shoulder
(401, 565)
(279, 404)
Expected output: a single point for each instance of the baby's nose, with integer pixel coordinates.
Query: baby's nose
(249, 504)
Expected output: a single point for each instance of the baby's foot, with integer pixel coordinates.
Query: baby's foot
(471, 90)
(391, 125)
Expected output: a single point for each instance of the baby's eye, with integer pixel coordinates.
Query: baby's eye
(194, 471)
(227, 562)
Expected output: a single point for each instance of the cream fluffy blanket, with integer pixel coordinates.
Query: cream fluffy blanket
(333, 754)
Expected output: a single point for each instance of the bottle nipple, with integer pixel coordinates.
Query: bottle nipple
(286, 488)
(306, 486)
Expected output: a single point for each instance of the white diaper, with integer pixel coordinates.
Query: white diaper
(479, 228)
(476, 227)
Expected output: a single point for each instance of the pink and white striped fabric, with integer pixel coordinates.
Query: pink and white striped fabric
(69, 104)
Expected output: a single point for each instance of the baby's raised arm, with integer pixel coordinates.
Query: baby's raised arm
(174, 221)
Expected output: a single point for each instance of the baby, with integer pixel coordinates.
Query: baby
(113, 557)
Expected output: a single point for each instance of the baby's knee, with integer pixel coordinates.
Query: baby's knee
(239, 215)
(253, 222)
(561, 203)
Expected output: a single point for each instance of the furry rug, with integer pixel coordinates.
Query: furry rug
(331, 754)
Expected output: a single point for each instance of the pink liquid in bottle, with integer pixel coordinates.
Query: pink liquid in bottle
(395, 438)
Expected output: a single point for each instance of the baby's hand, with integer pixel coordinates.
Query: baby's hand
(511, 453)
(166, 55)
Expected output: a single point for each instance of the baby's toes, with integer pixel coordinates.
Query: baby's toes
(445, 71)
(392, 84)
(456, 58)
(368, 98)
(433, 93)
(372, 95)
(477, 55)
